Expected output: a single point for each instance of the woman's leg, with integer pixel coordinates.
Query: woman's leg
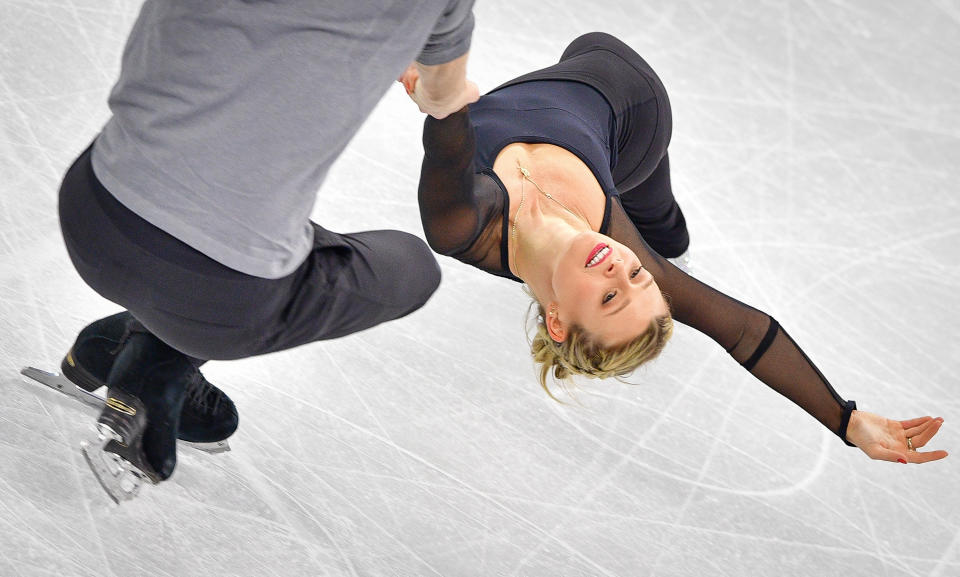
(644, 125)
(656, 214)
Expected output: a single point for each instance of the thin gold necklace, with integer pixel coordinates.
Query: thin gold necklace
(526, 176)
(513, 233)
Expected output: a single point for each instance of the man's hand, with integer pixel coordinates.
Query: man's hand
(439, 90)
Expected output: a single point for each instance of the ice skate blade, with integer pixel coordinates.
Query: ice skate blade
(212, 448)
(63, 385)
(120, 478)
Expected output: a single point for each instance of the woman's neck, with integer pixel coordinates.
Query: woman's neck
(543, 231)
(540, 226)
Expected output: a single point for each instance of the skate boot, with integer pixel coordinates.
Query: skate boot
(138, 426)
(209, 416)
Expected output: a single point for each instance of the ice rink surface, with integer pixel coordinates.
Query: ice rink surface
(816, 153)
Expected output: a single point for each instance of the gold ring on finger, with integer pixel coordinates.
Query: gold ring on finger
(910, 444)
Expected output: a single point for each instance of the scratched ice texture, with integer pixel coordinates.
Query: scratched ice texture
(816, 152)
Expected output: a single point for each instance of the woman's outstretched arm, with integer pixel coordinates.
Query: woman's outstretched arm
(764, 348)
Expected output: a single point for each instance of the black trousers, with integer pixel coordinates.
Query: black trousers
(642, 129)
(349, 282)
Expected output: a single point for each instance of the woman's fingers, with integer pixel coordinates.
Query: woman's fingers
(881, 453)
(919, 436)
(915, 422)
(916, 430)
(925, 456)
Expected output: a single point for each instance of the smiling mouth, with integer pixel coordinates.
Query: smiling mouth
(598, 255)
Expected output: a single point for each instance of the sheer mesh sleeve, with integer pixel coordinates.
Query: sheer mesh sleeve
(752, 337)
(448, 208)
(460, 210)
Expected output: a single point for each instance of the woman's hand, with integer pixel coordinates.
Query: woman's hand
(886, 440)
(437, 106)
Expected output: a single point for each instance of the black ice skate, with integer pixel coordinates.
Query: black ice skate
(208, 418)
(117, 460)
(141, 416)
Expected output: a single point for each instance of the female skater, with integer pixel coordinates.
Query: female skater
(560, 179)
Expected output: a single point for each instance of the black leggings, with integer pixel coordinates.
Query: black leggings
(655, 212)
(348, 283)
(643, 126)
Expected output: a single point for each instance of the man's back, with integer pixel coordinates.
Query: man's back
(228, 114)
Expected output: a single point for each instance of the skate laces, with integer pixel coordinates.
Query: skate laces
(123, 341)
(132, 326)
(203, 395)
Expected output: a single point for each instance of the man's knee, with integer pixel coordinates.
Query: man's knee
(421, 269)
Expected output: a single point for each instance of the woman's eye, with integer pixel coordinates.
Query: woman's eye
(609, 296)
(635, 272)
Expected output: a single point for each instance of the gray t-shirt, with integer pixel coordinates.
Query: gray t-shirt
(228, 113)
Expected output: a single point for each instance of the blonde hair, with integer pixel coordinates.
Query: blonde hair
(579, 354)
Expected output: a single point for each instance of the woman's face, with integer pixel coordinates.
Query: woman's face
(602, 286)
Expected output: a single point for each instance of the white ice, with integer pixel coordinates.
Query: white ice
(816, 154)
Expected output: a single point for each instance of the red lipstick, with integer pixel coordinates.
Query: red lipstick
(602, 247)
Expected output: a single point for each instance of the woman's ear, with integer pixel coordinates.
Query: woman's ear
(555, 328)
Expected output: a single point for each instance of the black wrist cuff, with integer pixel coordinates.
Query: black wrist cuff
(848, 408)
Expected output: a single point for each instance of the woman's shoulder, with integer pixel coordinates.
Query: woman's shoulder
(483, 248)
